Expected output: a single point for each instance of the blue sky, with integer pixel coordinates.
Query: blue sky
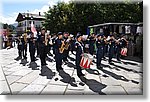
(11, 8)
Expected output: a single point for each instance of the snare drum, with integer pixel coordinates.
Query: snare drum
(86, 60)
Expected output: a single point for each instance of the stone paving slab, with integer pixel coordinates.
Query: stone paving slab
(22, 72)
(41, 81)
(54, 90)
(17, 87)
(4, 88)
(29, 77)
(133, 91)
(12, 78)
(114, 90)
(32, 89)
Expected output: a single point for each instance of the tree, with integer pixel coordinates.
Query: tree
(76, 17)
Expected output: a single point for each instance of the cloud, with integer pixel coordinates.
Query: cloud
(11, 19)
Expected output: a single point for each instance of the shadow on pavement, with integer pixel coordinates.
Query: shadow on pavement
(45, 71)
(49, 59)
(127, 69)
(93, 71)
(34, 66)
(24, 62)
(118, 77)
(69, 64)
(67, 78)
(94, 85)
(72, 59)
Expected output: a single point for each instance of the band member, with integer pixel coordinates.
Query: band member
(53, 43)
(5, 39)
(37, 43)
(19, 43)
(58, 55)
(10, 40)
(79, 52)
(72, 44)
(121, 43)
(100, 50)
(105, 47)
(32, 47)
(24, 45)
(111, 44)
(66, 50)
(91, 43)
(42, 46)
(47, 39)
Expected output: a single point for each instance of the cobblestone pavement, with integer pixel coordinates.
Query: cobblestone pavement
(23, 77)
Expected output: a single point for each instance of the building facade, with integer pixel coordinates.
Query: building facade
(25, 19)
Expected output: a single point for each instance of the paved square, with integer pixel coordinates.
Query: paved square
(119, 79)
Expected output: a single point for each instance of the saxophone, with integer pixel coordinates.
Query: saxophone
(67, 44)
(61, 49)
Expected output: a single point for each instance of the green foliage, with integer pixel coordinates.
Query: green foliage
(75, 17)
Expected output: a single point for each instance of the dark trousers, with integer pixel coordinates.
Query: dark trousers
(43, 55)
(99, 56)
(78, 59)
(25, 51)
(20, 50)
(118, 50)
(105, 50)
(91, 49)
(32, 54)
(111, 53)
(37, 48)
(65, 55)
(58, 58)
(5, 44)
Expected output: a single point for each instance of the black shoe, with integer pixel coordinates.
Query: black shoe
(100, 67)
(111, 63)
(61, 68)
(81, 75)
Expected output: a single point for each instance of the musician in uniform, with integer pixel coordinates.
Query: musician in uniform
(121, 43)
(105, 47)
(58, 55)
(32, 45)
(66, 51)
(53, 43)
(91, 43)
(42, 47)
(111, 45)
(100, 50)
(19, 47)
(79, 52)
(24, 45)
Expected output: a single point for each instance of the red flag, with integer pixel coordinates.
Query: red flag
(33, 29)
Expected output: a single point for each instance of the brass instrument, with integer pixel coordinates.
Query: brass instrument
(25, 38)
(65, 46)
(62, 48)
(46, 39)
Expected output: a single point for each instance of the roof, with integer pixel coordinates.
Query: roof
(104, 24)
(28, 16)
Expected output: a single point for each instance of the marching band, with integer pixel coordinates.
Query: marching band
(61, 43)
